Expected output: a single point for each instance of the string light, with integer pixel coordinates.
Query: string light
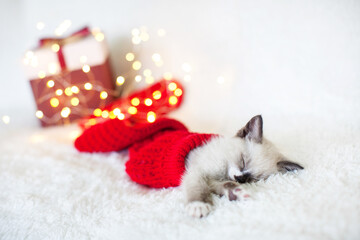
(147, 72)
(29, 54)
(148, 102)
(75, 89)
(105, 114)
(172, 86)
(65, 112)
(138, 78)
(6, 119)
(54, 102)
(130, 57)
(135, 31)
(63, 27)
(86, 68)
(120, 80)
(112, 115)
(97, 112)
(121, 116)
(74, 101)
(136, 65)
(50, 83)
(117, 111)
(151, 117)
(149, 80)
(68, 91)
(52, 67)
(103, 94)
(136, 40)
(167, 76)
(59, 92)
(40, 26)
(157, 95)
(39, 114)
(178, 92)
(156, 57)
(135, 101)
(173, 100)
(88, 86)
(99, 36)
(55, 47)
(186, 67)
(132, 110)
(144, 36)
(41, 74)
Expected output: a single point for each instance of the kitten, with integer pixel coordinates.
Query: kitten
(222, 164)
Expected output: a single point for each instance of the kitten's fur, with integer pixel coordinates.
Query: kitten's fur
(223, 163)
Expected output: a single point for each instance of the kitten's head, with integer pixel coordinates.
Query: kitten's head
(259, 158)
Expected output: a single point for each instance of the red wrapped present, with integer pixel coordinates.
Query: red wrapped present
(69, 77)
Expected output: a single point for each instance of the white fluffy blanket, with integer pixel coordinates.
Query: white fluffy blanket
(48, 190)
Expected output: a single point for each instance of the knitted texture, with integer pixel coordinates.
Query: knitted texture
(157, 151)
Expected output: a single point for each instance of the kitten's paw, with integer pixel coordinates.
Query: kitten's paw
(198, 209)
(234, 192)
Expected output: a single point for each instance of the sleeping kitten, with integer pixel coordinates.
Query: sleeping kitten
(222, 164)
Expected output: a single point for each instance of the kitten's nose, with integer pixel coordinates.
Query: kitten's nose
(246, 177)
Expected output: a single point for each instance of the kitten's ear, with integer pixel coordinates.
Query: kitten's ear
(253, 130)
(287, 166)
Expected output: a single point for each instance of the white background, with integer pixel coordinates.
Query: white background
(287, 60)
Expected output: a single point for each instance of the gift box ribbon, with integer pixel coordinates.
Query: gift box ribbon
(45, 42)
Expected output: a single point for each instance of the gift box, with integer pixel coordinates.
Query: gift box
(69, 77)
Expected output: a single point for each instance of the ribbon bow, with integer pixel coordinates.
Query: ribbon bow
(44, 42)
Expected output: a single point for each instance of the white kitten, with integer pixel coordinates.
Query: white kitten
(222, 164)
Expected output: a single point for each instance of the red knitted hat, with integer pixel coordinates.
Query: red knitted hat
(157, 151)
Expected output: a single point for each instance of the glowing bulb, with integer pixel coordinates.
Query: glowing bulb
(105, 114)
(178, 92)
(121, 116)
(52, 67)
(130, 57)
(161, 32)
(157, 95)
(135, 31)
(187, 78)
(6, 119)
(29, 54)
(120, 80)
(92, 121)
(55, 47)
(88, 86)
(186, 67)
(148, 102)
(136, 65)
(54, 102)
(68, 91)
(59, 92)
(40, 26)
(86, 68)
(132, 110)
(159, 63)
(50, 83)
(149, 80)
(116, 111)
(75, 89)
(39, 114)
(173, 100)
(147, 72)
(168, 76)
(41, 74)
(103, 95)
(99, 36)
(112, 115)
(172, 86)
(151, 117)
(144, 36)
(135, 102)
(97, 112)
(65, 112)
(136, 40)
(156, 57)
(138, 78)
(74, 101)
(220, 79)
